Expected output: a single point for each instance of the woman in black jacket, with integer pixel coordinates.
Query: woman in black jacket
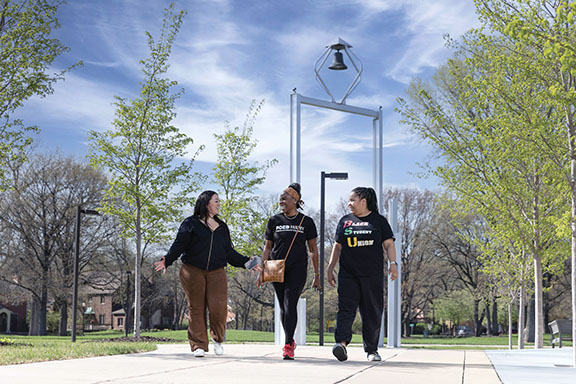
(204, 245)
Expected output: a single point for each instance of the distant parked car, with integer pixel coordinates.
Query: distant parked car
(464, 331)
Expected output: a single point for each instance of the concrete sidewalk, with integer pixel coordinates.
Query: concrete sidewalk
(534, 366)
(259, 363)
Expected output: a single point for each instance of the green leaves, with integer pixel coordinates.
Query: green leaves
(26, 55)
(239, 177)
(150, 181)
(498, 131)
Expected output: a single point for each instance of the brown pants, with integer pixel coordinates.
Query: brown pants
(205, 290)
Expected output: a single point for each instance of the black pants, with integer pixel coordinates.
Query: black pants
(288, 294)
(366, 293)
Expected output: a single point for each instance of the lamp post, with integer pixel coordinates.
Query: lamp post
(323, 177)
(83, 317)
(79, 212)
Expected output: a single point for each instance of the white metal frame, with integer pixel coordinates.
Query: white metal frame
(296, 102)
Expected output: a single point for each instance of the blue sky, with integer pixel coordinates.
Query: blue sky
(229, 52)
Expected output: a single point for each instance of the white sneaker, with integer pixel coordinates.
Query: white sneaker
(218, 348)
(199, 353)
(374, 356)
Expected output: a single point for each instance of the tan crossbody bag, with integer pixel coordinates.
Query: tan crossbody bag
(273, 270)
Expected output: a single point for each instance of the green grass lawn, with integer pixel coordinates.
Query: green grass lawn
(26, 349)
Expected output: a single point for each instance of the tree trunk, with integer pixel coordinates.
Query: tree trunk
(510, 324)
(137, 280)
(34, 329)
(477, 329)
(495, 325)
(521, 315)
(569, 111)
(43, 304)
(573, 240)
(531, 321)
(488, 319)
(63, 324)
(539, 314)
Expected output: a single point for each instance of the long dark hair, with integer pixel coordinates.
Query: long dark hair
(201, 206)
(370, 195)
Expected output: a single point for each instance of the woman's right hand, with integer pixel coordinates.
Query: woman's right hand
(330, 276)
(160, 265)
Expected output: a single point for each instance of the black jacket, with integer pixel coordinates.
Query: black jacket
(203, 248)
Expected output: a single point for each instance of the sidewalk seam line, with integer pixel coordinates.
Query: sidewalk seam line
(170, 370)
(364, 370)
(493, 366)
(464, 367)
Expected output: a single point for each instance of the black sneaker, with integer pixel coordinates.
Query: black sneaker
(339, 351)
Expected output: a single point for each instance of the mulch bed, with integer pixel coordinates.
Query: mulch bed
(141, 339)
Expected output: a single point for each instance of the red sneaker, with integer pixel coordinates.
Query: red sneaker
(288, 351)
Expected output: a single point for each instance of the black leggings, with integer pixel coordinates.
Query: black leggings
(288, 294)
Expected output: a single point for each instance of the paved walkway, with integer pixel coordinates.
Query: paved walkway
(259, 363)
(552, 366)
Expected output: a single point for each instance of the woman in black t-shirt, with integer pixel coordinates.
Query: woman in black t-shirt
(280, 231)
(361, 238)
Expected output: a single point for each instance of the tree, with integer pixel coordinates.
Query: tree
(37, 214)
(239, 178)
(511, 270)
(455, 307)
(246, 214)
(483, 114)
(456, 239)
(148, 182)
(421, 269)
(26, 54)
(547, 29)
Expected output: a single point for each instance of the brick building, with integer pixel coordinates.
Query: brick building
(13, 318)
(97, 307)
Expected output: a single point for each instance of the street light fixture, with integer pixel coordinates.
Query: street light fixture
(323, 176)
(79, 212)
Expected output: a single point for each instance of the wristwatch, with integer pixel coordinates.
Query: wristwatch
(394, 262)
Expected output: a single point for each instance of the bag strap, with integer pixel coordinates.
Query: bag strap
(294, 238)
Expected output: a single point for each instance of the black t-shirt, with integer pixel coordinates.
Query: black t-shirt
(281, 230)
(361, 239)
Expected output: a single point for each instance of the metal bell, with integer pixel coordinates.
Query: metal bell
(338, 63)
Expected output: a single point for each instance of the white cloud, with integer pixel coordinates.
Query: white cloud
(80, 102)
(425, 25)
(224, 57)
